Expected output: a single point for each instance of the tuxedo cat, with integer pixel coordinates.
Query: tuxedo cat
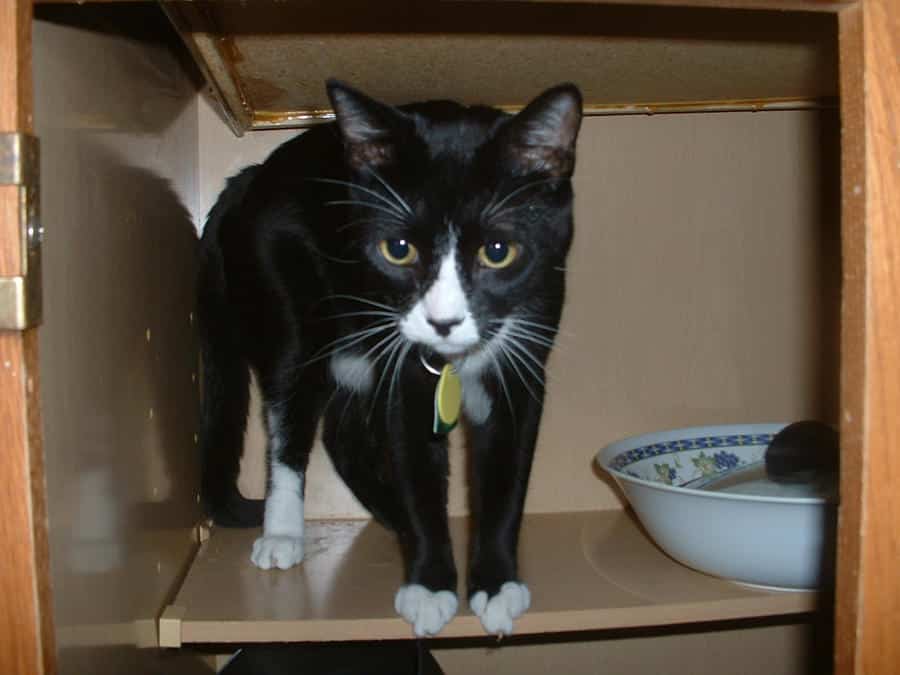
(346, 271)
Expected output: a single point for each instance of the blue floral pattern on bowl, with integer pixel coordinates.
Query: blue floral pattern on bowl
(682, 461)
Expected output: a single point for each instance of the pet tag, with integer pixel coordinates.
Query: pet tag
(447, 400)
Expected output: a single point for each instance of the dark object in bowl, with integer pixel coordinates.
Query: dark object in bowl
(803, 452)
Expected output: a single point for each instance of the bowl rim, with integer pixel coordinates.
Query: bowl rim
(612, 450)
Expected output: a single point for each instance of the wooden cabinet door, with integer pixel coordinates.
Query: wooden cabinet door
(25, 622)
(868, 585)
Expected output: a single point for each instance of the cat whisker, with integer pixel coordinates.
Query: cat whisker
(514, 361)
(400, 201)
(345, 342)
(340, 261)
(375, 347)
(495, 363)
(364, 313)
(532, 324)
(361, 188)
(523, 334)
(363, 221)
(366, 301)
(497, 215)
(491, 208)
(553, 330)
(394, 347)
(369, 205)
(398, 364)
(525, 357)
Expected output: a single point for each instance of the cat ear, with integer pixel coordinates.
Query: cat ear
(541, 138)
(369, 128)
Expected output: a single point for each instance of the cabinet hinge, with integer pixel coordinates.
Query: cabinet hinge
(20, 296)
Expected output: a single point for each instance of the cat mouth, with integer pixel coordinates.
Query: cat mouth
(454, 352)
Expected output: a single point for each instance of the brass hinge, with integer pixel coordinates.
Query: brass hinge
(20, 296)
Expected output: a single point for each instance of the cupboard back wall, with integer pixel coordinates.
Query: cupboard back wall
(703, 289)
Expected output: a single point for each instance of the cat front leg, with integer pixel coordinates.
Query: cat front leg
(428, 599)
(281, 545)
(503, 449)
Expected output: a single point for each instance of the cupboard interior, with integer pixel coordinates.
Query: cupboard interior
(704, 286)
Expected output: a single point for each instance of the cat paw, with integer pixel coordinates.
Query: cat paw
(282, 552)
(427, 611)
(497, 613)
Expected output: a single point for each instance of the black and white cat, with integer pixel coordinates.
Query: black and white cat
(348, 268)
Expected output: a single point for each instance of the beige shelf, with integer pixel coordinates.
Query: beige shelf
(266, 63)
(587, 571)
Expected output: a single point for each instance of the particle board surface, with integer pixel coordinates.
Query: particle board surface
(587, 571)
(266, 63)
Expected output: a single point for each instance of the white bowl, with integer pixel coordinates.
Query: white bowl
(773, 541)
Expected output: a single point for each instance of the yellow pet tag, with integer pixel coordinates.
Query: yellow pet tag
(447, 400)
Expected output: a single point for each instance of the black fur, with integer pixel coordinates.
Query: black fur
(282, 252)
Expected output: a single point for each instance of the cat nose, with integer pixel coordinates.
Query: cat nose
(443, 326)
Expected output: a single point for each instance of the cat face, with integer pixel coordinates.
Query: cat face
(468, 214)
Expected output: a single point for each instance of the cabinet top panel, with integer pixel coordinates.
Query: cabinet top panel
(267, 62)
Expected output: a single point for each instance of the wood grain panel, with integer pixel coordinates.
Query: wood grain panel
(15, 65)
(798, 5)
(852, 338)
(15, 115)
(787, 5)
(868, 603)
(25, 618)
(880, 649)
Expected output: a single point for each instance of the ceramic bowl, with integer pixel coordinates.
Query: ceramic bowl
(773, 539)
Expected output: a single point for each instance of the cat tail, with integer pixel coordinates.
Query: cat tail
(226, 376)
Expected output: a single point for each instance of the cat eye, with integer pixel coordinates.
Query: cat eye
(398, 251)
(498, 254)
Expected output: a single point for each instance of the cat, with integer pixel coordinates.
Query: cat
(348, 269)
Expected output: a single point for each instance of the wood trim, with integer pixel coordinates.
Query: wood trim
(788, 5)
(868, 591)
(15, 115)
(781, 5)
(25, 601)
(15, 66)
(852, 337)
(205, 47)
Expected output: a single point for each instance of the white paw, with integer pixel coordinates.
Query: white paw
(428, 612)
(277, 551)
(498, 612)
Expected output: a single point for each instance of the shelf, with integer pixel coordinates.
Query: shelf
(267, 63)
(586, 571)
